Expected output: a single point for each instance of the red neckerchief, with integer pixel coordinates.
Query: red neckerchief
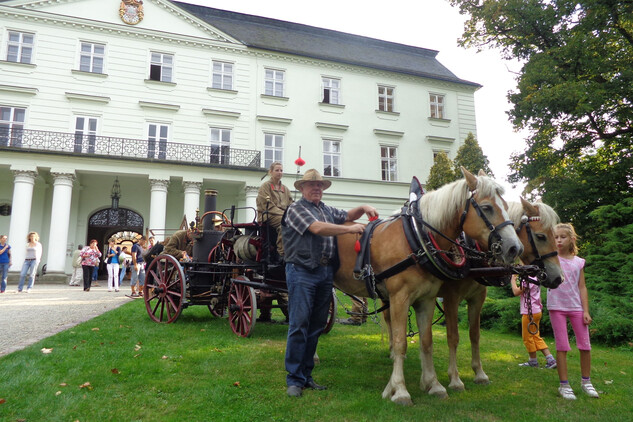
(272, 186)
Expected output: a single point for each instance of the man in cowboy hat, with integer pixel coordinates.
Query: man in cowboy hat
(309, 228)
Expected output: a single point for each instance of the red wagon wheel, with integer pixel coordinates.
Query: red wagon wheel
(164, 289)
(242, 308)
(331, 315)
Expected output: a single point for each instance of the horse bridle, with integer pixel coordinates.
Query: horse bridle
(494, 239)
(540, 259)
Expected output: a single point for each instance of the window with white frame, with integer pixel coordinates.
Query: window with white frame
(91, 57)
(273, 148)
(437, 106)
(85, 134)
(385, 98)
(220, 146)
(274, 81)
(157, 136)
(222, 77)
(161, 67)
(389, 163)
(11, 126)
(331, 90)
(20, 47)
(331, 158)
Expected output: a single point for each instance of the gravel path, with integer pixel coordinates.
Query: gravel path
(26, 318)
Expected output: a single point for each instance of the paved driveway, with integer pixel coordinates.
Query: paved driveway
(26, 318)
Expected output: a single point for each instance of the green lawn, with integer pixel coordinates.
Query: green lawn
(197, 370)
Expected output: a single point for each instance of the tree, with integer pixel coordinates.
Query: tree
(574, 95)
(471, 156)
(441, 172)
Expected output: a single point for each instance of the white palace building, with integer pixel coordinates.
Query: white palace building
(170, 99)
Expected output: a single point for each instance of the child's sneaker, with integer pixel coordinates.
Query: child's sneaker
(551, 364)
(529, 364)
(567, 393)
(590, 390)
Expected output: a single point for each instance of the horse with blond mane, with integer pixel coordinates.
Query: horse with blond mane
(473, 205)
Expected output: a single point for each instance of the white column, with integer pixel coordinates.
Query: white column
(23, 182)
(192, 199)
(251, 202)
(158, 206)
(60, 217)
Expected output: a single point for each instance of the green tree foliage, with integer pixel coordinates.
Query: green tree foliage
(441, 173)
(574, 95)
(471, 156)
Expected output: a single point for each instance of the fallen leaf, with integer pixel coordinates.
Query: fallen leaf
(164, 357)
(63, 384)
(608, 381)
(202, 329)
(215, 349)
(46, 351)
(137, 348)
(236, 384)
(58, 393)
(623, 373)
(137, 355)
(2, 401)
(74, 347)
(115, 371)
(95, 329)
(86, 385)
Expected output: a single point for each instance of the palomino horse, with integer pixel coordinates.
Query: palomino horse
(447, 210)
(535, 225)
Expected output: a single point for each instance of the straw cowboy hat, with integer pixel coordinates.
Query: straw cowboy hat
(312, 176)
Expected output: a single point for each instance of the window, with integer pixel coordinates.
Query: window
(274, 82)
(85, 134)
(437, 106)
(20, 47)
(385, 98)
(331, 90)
(389, 163)
(220, 146)
(274, 148)
(222, 75)
(11, 126)
(331, 158)
(91, 57)
(157, 133)
(161, 67)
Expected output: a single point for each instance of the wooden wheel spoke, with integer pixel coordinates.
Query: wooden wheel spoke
(165, 290)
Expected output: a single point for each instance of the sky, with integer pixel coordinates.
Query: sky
(432, 24)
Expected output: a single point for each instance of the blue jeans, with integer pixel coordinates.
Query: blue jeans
(28, 269)
(122, 272)
(4, 270)
(309, 296)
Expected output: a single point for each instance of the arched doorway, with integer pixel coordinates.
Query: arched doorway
(105, 223)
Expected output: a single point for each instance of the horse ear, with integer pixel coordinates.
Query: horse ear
(482, 173)
(529, 209)
(470, 179)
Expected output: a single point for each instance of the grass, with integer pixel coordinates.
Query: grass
(197, 369)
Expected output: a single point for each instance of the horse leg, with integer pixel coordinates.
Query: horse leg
(475, 304)
(424, 316)
(396, 389)
(451, 306)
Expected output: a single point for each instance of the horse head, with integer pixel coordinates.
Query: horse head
(480, 212)
(535, 227)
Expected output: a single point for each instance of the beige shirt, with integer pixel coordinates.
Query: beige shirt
(273, 199)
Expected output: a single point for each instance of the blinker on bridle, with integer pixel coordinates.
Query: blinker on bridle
(494, 238)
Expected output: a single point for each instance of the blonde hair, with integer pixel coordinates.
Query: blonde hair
(36, 237)
(272, 166)
(571, 232)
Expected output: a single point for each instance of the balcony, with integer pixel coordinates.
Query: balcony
(103, 146)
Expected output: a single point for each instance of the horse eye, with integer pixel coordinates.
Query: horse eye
(488, 209)
(541, 237)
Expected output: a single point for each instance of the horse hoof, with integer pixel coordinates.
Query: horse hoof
(440, 393)
(403, 401)
(482, 381)
(457, 386)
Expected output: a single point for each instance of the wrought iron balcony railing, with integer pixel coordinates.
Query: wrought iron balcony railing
(82, 144)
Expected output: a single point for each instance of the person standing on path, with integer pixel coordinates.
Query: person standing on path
(308, 230)
(89, 258)
(5, 262)
(77, 275)
(138, 267)
(112, 265)
(31, 261)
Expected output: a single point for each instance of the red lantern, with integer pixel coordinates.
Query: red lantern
(300, 161)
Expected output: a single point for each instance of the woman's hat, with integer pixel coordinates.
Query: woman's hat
(312, 176)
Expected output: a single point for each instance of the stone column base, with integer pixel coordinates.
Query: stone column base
(53, 278)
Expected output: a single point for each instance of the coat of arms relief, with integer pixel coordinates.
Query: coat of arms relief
(131, 11)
